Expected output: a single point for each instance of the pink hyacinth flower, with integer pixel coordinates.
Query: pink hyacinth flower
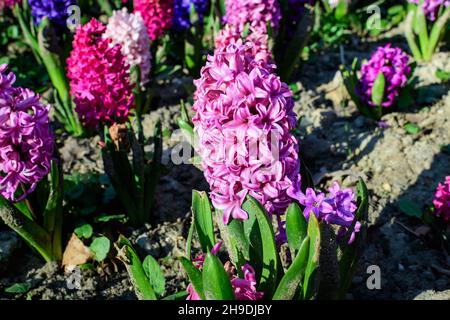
(99, 77)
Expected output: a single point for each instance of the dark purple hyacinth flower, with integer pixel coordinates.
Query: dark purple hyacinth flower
(55, 10)
(182, 10)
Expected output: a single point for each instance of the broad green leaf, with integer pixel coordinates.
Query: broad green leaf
(234, 240)
(296, 228)
(100, 248)
(216, 284)
(351, 253)
(201, 209)
(443, 75)
(341, 9)
(271, 265)
(410, 208)
(84, 231)
(139, 279)
(291, 281)
(155, 275)
(22, 287)
(189, 238)
(436, 33)
(177, 296)
(107, 218)
(53, 213)
(378, 89)
(195, 276)
(309, 283)
(411, 128)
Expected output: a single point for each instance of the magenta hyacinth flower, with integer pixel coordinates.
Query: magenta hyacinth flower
(431, 8)
(26, 143)
(243, 117)
(8, 3)
(256, 13)
(442, 200)
(157, 15)
(99, 77)
(393, 63)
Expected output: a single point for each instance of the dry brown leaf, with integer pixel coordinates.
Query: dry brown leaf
(76, 253)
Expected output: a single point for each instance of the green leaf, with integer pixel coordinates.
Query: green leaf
(201, 209)
(271, 264)
(411, 128)
(139, 279)
(378, 89)
(410, 208)
(100, 248)
(112, 217)
(53, 212)
(351, 253)
(155, 275)
(443, 75)
(234, 240)
(291, 281)
(177, 296)
(341, 10)
(296, 228)
(216, 284)
(194, 275)
(84, 231)
(309, 283)
(22, 287)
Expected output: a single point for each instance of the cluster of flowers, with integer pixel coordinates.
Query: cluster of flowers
(181, 18)
(260, 40)
(431, 7)
(393, 63)
(338, 208)
(243, 117)
(54, 10)
(99, 67)
(442, 200)
(256, 13)
(128, 30)
(157, 15)
(244, 289)
(26, 143)
(99, 77)
(8, 3)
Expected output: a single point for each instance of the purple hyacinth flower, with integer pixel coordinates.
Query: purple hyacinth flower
(26, 143)
(55, 10)
(182, 8)
(314, 203)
